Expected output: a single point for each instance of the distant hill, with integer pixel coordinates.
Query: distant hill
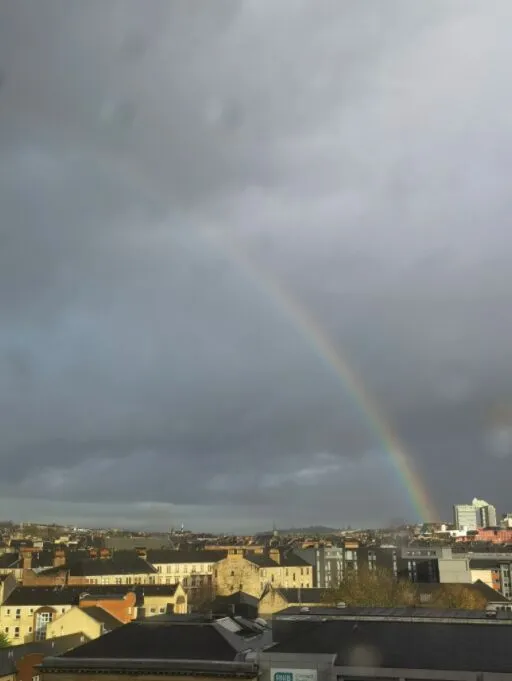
(314, 529)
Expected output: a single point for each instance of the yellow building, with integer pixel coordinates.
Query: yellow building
(27, 612)
(192, 569)
(92, 621)
(255, 572)
(275, 600)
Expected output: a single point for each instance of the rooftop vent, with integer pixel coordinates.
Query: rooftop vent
(341, 605)
(304, 609)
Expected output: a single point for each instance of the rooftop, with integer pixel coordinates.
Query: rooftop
(404, 614)
(125, 564)
(70, 595)
(162, 556)
(163, 638)
(306, 595)
(100, 615)
(402, 645)
(287, 559)
(55, 646)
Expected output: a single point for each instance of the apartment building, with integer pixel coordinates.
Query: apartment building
(253, 572)
(26, 612)
(93, 621)
(192, 569)
(332, 563)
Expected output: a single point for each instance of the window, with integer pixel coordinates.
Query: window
(153, 610)
(293, 576)
(302, 571)
(6, 630)
(30, 630)
(36, 678)
(42, 621)
(168, 568)
(8, 611)
(162, 609)
(16, 632)
(119, 580)
(18, 613)
(63, 610)
(31, 611)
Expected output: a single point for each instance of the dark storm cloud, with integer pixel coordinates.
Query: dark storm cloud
(357, 153)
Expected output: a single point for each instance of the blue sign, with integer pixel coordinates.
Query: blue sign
(283, 676)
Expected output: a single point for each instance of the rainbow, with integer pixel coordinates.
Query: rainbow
(303, 321)
(336, 361)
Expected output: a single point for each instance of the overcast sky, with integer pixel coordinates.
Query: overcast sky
(357, 153)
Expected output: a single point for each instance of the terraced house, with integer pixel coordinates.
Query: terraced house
(27, 612)
(254, 572)
(123, 568)
(192, 569)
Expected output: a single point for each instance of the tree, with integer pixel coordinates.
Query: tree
(4, 641)
(458, 596)
(378, 588)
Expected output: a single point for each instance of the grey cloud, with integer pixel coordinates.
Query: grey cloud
(356, 154)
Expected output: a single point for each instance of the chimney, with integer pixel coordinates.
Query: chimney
(104, 553)
(142, 553)
(275, 555)
(59, 558)
(26, 556)
(93, 553)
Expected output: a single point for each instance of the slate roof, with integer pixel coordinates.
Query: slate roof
(490, 594)
(55, 646)
(162, 556)
(405, 645)
(237, 598)
(10, 560)
(483, 563)
(100, 615)
(303, 595)
(288, 559)
(130, 564)
(70, 595)
(159, 640)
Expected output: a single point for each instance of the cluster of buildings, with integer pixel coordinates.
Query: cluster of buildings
(478, 514)
(250, 607)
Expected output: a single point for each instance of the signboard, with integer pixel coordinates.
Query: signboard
(293, 675)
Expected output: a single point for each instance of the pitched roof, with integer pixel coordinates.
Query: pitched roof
(161, 639)
(422, 645)
(129, 564)
(10, 560)
(100, 615)
(287, 559)
(303, 595)
(489, 593)
(70, 595)
(55, 646)
(162, 556)
(239, 597)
